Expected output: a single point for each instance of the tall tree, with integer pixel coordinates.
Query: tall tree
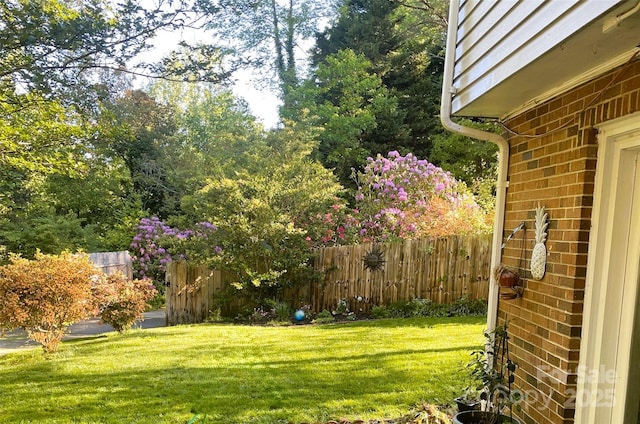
(403, 44)
(58, 190)
(348, 104)
(270, 35)
(60, 61)
(213, 126)
(367, 27)
(50, 46)
(141, 132)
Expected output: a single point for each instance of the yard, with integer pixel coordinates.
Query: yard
(243, 374)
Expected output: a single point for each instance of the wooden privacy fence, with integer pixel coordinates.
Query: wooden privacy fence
(191, 292)
(442, 270)
(112, 262)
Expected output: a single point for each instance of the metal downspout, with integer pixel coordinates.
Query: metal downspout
(448, 92)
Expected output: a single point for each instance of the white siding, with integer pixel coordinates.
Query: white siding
(496, 39)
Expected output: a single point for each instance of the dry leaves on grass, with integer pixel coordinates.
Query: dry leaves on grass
(425, 414)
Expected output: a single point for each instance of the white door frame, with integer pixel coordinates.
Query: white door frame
(612, 277)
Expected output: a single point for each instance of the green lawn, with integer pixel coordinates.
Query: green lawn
(242, 374)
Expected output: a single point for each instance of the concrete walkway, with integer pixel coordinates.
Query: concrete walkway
(16, 340)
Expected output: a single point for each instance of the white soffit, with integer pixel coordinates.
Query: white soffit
(579, 58)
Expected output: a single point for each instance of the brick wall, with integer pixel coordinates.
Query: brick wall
(553, 162)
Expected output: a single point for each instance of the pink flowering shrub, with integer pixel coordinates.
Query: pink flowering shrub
(339, 225)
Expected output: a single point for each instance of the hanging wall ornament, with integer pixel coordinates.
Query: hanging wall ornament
(539, 254)
(374, 259)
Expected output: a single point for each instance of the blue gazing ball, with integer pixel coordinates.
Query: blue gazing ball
(299, 315)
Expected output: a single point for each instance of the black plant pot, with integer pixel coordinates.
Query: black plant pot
(481, 417)
(467, 405)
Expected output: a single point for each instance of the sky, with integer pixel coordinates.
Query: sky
(263, 103)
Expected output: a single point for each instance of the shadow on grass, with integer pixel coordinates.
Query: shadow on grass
(236, 383)
(421, 322)
(173, 394)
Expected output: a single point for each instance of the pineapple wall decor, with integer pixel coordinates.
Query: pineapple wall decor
(539, 254)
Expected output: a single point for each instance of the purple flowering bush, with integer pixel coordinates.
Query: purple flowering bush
(401, 197)
(408, 197)
(157, 244)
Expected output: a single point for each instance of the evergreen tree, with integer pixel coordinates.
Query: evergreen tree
(404, 42)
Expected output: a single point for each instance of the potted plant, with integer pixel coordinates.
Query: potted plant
(469, 400)
(493, 370)
(506, 277)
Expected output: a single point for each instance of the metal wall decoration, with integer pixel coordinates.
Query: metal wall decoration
(374, 259)
(509, 278)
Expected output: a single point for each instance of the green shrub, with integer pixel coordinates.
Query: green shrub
(379, 312)
(215, 315)
(121, 301)
(324, 317)
(255, 316)
(466, 307)
(157, 302)
(281, 311)
(419, 307)
(264, 213)
(414, 308)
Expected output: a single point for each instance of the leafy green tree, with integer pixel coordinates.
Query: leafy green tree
(41, 229)
(61, 166)
(79, 201)
(141, 132)
(367, 27)
(102, 199)
(38, 141)
(40, 137)
(262, 212)
(348, 102)
(213, 128)
(467, 159)
(52, 46)
(403, 42)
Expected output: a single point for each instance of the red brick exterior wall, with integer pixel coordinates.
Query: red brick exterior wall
(556, 168)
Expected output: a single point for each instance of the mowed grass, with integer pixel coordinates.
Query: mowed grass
(242, 374)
